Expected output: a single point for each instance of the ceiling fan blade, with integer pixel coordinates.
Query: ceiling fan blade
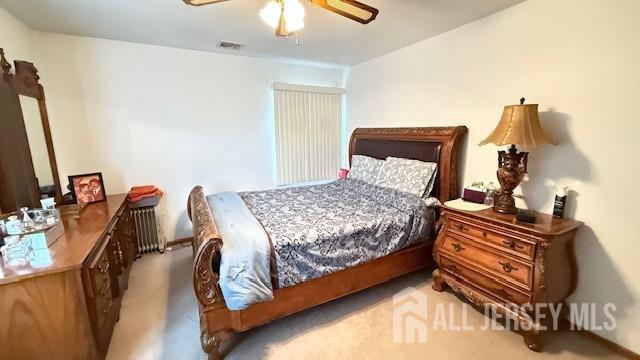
(202, 2)
(351, 9)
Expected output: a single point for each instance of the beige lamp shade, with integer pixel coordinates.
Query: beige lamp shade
(520, 126)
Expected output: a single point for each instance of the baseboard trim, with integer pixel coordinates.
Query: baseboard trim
(606, 343)
(182, 241)
(610, 345)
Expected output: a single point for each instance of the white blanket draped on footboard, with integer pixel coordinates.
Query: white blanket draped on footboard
(245, 276)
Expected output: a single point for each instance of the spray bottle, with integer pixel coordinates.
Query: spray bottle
(560, 202)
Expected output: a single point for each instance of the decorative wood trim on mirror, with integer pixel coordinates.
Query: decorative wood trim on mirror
(4, 64)
(25, 81)
(44, 116)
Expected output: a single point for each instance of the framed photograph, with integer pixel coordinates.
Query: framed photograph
(87, 188)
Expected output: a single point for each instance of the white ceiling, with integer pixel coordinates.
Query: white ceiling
(326, 38)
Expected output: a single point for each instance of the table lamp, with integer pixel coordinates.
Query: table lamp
(519, 126)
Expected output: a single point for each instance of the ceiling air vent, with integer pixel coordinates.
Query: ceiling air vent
(230, 45)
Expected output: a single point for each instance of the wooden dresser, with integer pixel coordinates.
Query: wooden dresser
(65, 304)
(497, 262)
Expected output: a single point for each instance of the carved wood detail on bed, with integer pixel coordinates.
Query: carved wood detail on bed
(217, 322)
(206, 246)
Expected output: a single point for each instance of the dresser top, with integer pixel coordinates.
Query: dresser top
(545, 225)
(71, 249)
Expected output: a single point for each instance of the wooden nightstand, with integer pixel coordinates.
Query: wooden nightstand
(497, 262)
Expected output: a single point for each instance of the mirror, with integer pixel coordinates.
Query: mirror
(38, 146)
(28, 170)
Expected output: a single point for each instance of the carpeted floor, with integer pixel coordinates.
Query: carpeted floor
(159, 320)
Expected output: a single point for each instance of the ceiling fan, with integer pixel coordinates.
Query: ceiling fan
(287, 16)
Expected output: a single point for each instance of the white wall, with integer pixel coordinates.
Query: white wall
(580, 60)
(175, 118)
(15, 37)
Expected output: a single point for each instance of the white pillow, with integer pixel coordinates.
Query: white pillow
(365, 168)
(412, 176)
(432, 181)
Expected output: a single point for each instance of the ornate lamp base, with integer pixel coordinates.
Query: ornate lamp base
(504, 203)
(512, 167)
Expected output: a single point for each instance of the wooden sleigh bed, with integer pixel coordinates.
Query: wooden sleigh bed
(218, 323)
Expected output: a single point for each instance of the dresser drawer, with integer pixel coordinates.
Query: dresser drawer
(515, 271)
(485, 283)
(103, 286)
(505, 243)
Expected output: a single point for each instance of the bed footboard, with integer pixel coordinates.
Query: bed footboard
(206, 271)
(206, 247)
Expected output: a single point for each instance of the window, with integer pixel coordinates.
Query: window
(308, 132)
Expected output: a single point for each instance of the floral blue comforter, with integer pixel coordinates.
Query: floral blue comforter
(321, 229)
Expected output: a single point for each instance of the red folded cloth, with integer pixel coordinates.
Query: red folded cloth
(138, 193)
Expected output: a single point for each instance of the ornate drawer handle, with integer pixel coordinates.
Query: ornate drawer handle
(513, 244)
(461, 227)
(506, 266)
(457, 247)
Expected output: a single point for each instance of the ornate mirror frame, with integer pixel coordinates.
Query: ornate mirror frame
(25, 81)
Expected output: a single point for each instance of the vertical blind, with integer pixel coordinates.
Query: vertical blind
(308, 129)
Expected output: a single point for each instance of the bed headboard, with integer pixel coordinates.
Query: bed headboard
(433, 144)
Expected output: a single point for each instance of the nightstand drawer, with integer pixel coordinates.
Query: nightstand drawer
(487, 284)
(509, 268)
(504, 243)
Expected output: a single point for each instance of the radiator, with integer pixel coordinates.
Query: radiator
(148, 230)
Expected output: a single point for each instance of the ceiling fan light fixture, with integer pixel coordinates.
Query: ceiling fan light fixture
(285, 14)
(294, 15)
(271, 13)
